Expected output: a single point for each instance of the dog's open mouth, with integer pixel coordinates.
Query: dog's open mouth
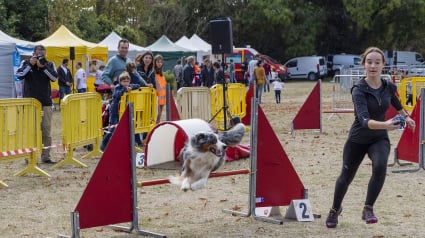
(216, 151)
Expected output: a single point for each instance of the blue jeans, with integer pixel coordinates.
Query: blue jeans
(113, 120)
(267, 84)
(64, 90)
(82, 90)
(259, 92)
(232, 77)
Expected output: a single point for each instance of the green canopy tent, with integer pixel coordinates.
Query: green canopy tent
(170, 51)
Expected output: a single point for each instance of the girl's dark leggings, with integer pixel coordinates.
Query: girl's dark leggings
(353, 156)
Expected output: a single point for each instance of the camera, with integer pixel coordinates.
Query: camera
(42, 59)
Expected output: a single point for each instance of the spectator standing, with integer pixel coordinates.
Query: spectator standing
(65, 79)
(251, 66)
(135, 78)
(99, 73)
(161, 85)
(81, 78)
(189, 72)
(232, 71)
(197, 79)
(116, 64)
(144, 64)
(207, 74)
(267, 70)
(260, 74)
(218, 73)
(277, 87)
(37, 74)
(178, 73)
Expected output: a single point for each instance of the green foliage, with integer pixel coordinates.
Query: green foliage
(128, 33)
(279, 28)
(169, 77)
(27, 22)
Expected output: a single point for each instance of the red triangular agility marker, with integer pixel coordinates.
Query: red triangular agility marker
(408, 145)
(246, 120)
(107, 198)
(277, 181)
(308, 117)
(175, 115)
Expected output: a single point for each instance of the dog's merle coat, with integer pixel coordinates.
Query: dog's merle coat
(203, 154)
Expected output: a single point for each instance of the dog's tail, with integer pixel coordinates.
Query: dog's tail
(177, 180)
(233, 136)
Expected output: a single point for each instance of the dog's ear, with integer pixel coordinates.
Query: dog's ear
(198, 139)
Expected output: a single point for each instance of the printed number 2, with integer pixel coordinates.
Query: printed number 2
(303, 206)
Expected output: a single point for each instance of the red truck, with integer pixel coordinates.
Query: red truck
(241, 58)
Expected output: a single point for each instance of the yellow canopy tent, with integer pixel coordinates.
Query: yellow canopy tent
(58, 47)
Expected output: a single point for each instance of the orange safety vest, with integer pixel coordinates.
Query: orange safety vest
(161, 92)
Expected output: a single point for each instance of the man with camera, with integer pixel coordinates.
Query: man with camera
(37, 73)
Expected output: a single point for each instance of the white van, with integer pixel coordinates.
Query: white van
(408, 58)
(307, 67)
(338, 63)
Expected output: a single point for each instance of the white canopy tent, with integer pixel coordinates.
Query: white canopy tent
(11, 50)
(200, 43)
(203, 46)
(186, 43)
(24, 47)
(7, 82)
(111, 41)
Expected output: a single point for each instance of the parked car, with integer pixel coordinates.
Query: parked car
(337, 63)
(308, 67)
(417, 71)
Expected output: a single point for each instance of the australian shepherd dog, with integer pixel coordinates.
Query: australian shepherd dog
(203, 154)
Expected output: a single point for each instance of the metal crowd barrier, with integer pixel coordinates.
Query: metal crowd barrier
(341, 91)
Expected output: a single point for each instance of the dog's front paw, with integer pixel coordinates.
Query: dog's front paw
(185, 185)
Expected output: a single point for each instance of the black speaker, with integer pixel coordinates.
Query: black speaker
(72, 53)
(221, 35)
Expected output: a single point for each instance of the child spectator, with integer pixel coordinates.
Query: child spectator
(119, 90)
(161, 85)
(135, 77)
(277, 86)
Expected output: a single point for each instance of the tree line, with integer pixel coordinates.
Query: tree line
(280, 28)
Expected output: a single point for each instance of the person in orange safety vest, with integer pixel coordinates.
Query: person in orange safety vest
(161, 85)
